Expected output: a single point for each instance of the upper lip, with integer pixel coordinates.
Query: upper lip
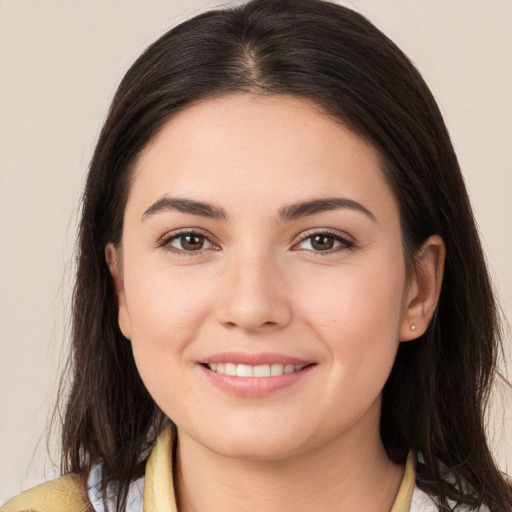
(254, 359)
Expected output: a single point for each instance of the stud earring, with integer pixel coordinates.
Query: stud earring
(413, 327)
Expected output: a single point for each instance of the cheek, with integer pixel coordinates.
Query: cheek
(355, 298)
(357, 312)
(163, 299)
(166, 312)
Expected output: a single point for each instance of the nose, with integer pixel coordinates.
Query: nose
(256, 298)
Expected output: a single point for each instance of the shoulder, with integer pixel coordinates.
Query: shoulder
(423, 502)
(63, 494)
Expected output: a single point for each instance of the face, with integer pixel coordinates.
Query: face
(261, 278)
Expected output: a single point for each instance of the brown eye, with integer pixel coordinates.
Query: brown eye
(192, 242)
(189, 242)
(322, 242)
(325, 242)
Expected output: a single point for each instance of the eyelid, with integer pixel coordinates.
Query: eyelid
(347, 241)
(164, 241)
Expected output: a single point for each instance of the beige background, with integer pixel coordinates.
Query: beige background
(60, 62)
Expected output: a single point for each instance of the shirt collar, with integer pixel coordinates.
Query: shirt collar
(159, 493)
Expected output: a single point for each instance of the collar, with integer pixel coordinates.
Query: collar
(159, 490)
(404, 497)
(158, 481)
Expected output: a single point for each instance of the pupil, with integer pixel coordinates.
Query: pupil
(322, 242)
(192, 242)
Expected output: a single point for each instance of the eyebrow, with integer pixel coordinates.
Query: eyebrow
(290, 212)
(189, 206)
(304, 208)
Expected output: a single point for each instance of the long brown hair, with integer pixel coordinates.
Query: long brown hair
(435, 399)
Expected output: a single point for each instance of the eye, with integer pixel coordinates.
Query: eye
(324, 242)
(189, 241)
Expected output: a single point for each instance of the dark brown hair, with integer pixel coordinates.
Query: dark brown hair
(435, 399)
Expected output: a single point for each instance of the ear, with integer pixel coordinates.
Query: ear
(424, 289)
(114, 262)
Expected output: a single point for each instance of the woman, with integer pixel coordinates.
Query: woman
(280, 292)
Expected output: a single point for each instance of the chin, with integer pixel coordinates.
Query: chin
(253, 444)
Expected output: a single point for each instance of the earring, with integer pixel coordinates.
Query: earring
(413, 327)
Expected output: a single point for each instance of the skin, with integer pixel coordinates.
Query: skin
(259, 285)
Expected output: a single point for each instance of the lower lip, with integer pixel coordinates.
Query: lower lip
(254, 386)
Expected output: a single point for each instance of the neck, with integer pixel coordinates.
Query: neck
(345, 474)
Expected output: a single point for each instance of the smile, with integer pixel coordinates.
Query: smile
(254, 375)
(247, 370)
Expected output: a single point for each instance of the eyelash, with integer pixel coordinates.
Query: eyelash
(345, 242)
(166, 241)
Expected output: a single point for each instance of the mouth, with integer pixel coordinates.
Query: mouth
(247, 370)
(254, 375)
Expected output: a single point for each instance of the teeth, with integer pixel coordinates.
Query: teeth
(246, 370)
(230, 369)
(276, 369)
(262, 371)
(289, 368)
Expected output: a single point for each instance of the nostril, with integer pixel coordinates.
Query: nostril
(265, 325)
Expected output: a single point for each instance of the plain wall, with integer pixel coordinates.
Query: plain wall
(60, 63)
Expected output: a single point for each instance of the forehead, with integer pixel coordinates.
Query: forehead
(271, 149)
